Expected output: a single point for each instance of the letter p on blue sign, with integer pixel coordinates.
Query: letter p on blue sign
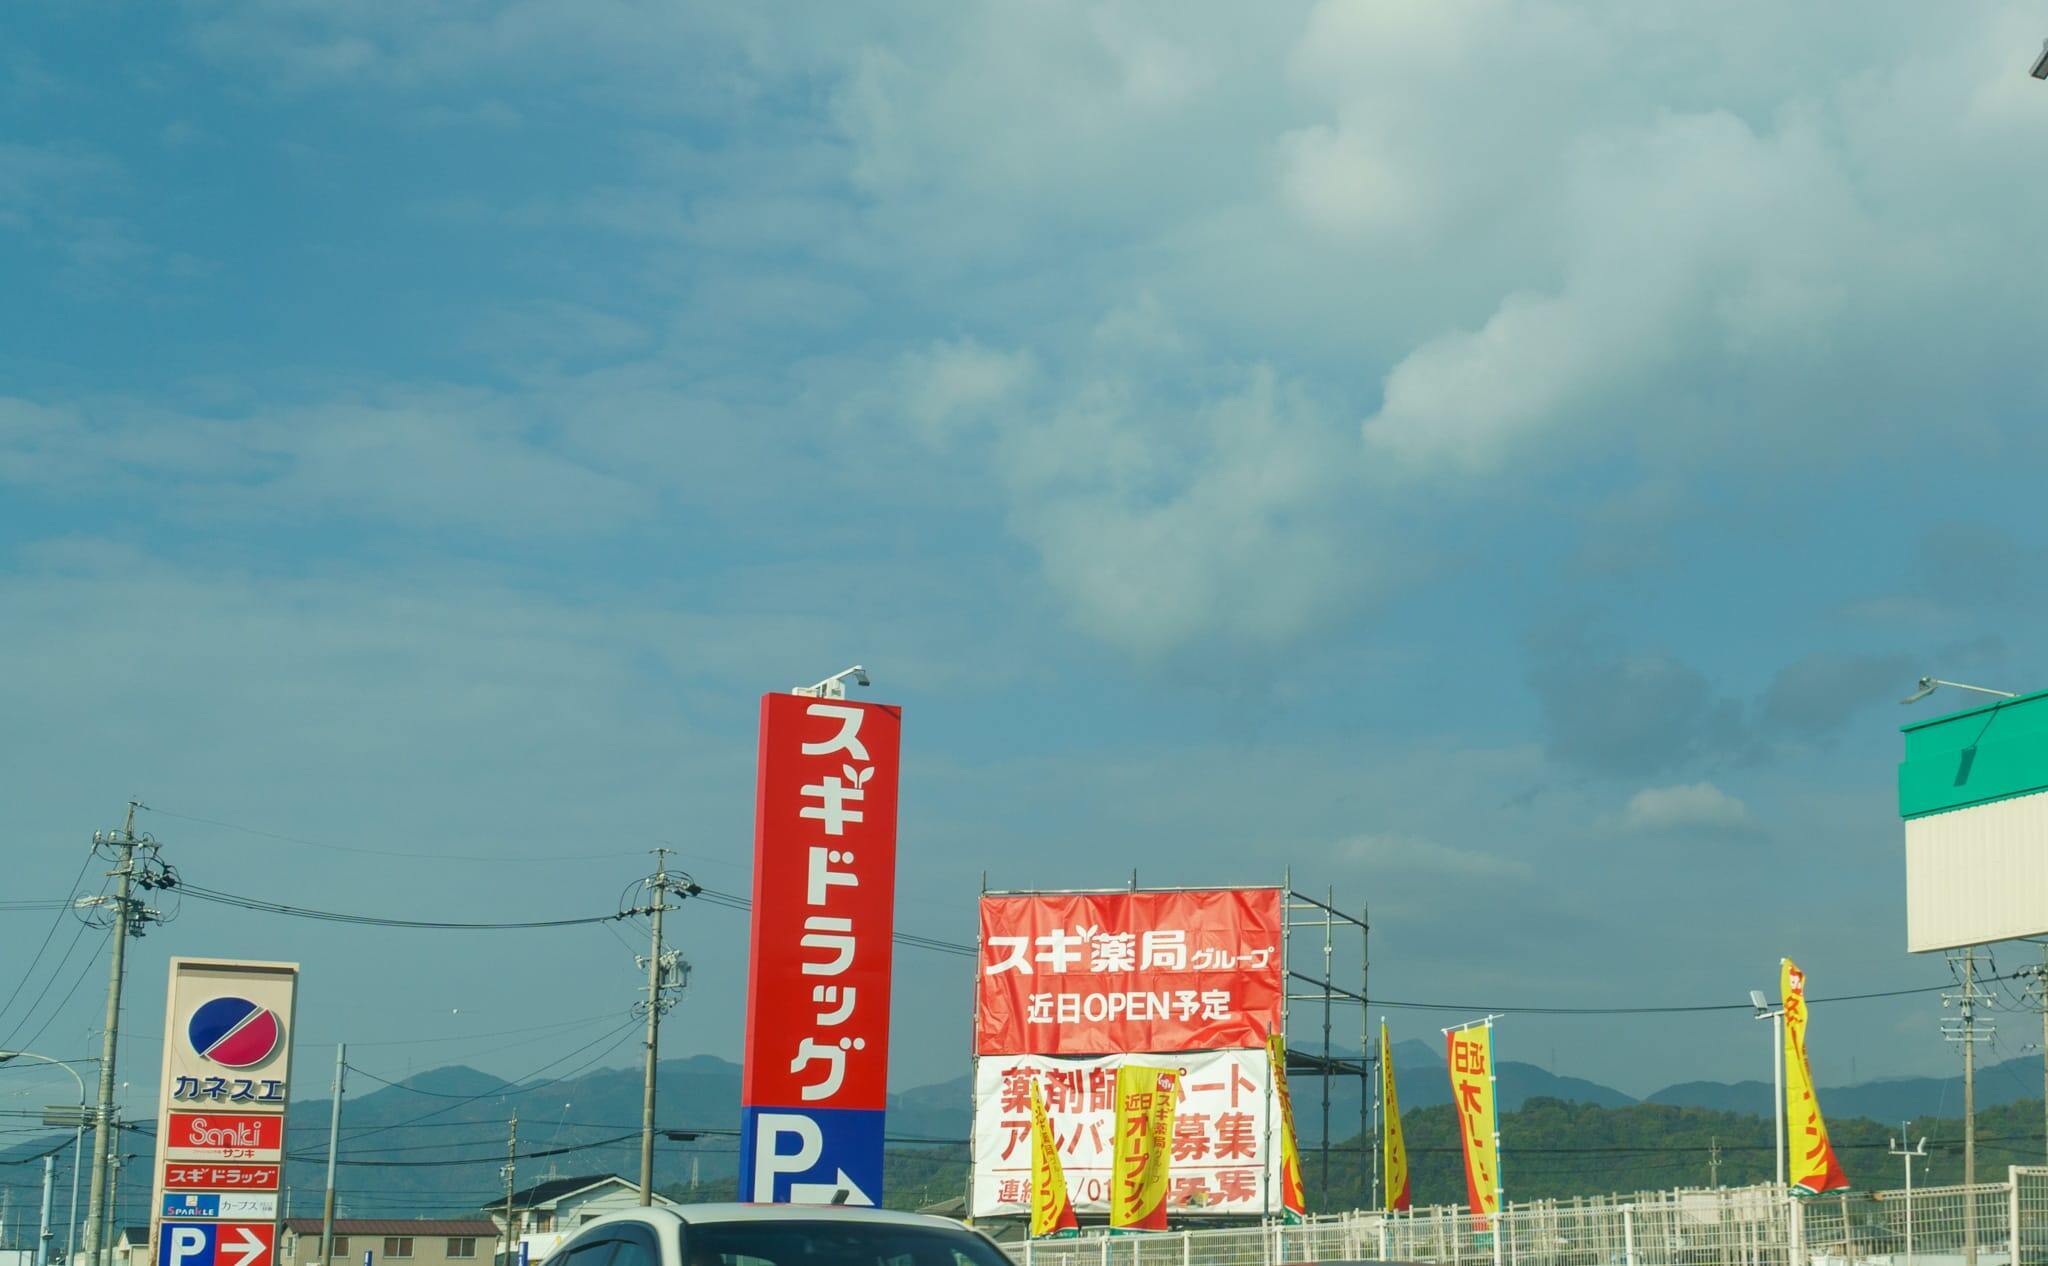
(811, 1156)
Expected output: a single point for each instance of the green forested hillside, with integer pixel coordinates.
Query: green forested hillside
(1551, 1148)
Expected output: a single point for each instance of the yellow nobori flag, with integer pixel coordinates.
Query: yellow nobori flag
(1398, 1197)
(1052, 1211)
(1293, 1199)
(1145, 1102)
(1471, 1063)
(1814, 1168)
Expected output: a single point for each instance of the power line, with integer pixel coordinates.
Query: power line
(415, 1090)
(1700, 1008)
(733, 901)
(728, 900)
(48, 935)
(397, 1041)
(77, 982)
(385, 852)
(462, 1037)
(619, 1034)
(331, 916)
(496, 1159)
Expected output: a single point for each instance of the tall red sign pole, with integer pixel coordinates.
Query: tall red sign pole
(815, 1076)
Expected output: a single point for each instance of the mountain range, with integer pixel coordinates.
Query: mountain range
(434, 1142)
(1421, 1082)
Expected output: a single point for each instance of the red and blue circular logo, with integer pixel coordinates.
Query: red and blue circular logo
(234, 1032)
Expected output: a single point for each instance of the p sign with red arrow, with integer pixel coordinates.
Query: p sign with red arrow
(216, 1244)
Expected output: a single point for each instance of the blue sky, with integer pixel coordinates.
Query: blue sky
(1502, 461)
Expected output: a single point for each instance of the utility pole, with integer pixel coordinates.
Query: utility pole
(111, 1232)
(77, 1154)
(43, 1230)
(511, 1173)
(128, 919)
(333, 1141)
(1714, 1162)
(1899, 1149)
(1964, 1030)
(666, 973)
(2037, 992)
(654, 966)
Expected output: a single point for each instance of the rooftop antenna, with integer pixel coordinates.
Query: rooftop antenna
(555, 1138)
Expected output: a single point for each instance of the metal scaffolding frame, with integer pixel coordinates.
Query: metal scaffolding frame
(1303, 914)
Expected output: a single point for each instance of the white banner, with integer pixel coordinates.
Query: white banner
(1225, 1134)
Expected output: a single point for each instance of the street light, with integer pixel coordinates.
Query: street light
(1776, 1015)
(2040, 70)
(1909, 1153)
(77, 1144)
(1928, 685)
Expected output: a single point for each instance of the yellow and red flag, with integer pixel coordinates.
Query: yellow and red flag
(1471, 1064)
(1293, 1200)
(1052, 1211)
(1814, 1168)
(1396, 1147)
(1145, 1100)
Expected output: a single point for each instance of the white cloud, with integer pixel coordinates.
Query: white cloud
(1162, 519)
(1343, 181)
(954, 383)
(1554, 234)
(1414, 854)
(1699, 806)
(1694, 240)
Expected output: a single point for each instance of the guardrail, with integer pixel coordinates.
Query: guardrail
(1744, 1226)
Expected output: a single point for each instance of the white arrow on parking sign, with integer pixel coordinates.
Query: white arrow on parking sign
(247, 1250)
(826, 1192)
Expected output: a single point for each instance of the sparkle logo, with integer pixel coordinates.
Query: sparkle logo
(234, 1032)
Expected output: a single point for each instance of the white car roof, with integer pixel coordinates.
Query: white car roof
(714, 1214)
(701, 1214)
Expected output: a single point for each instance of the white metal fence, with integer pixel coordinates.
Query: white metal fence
(1747, 1226)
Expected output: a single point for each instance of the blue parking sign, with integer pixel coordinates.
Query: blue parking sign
(215, 1243)
(185, 1244)
(811, 1155)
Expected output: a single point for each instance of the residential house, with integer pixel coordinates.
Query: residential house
(550, 1212)
(391, 1242)
(131, 1247)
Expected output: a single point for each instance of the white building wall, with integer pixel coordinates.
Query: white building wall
(1978, 874)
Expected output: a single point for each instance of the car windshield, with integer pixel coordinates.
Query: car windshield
(830, 1243)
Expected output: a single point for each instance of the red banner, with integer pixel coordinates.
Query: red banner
(824, 904)
(1110, 973)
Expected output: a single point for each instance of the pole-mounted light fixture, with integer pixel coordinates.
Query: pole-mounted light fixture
(834, 687)
(1928, 685)
(1776, 1014)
